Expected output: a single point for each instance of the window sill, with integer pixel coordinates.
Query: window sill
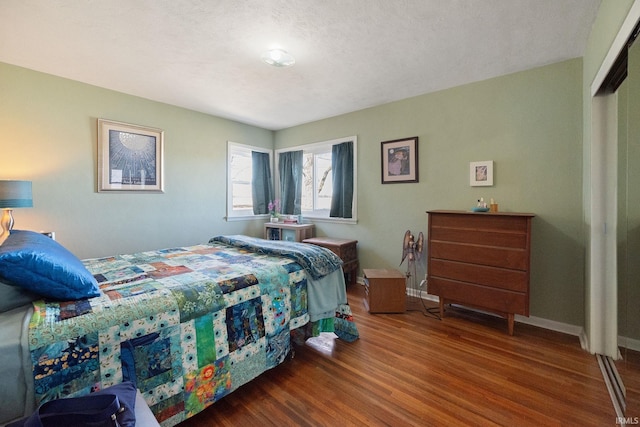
(307, 219)
(247, 218)
(350, 221)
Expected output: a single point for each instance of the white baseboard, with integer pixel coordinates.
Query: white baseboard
(565, 328)
(553, 325)
(630, 343)
(540, 322)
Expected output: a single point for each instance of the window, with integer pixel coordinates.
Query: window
(317, 180)
(240, 198)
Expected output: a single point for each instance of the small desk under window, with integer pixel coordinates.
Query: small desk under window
(289, 232)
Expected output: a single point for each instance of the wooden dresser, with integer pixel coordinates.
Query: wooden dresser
(346, 249)
(480, 260)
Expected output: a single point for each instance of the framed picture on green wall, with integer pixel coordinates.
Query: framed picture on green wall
(481, 173)
(130, 157)
(400, 160)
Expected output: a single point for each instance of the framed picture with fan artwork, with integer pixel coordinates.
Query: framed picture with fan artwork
(130, 157)
(400, 160)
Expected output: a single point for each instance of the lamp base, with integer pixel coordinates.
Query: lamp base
(6, 224)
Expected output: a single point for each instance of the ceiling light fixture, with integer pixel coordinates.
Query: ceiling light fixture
(278, 58)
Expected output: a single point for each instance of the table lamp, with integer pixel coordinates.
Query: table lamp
(13, 194)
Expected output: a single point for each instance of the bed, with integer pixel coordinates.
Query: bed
(187, 325)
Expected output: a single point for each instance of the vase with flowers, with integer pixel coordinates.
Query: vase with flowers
(274, 210)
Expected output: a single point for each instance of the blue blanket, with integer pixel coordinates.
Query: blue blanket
(317, 261)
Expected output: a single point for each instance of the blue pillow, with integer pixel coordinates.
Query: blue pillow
(39, 264)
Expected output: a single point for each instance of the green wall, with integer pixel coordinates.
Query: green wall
(49, 136)
(528, 123)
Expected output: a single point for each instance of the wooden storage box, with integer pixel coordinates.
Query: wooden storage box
(386, 291)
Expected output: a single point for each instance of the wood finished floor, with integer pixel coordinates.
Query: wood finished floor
(412, 370)
(629, 369)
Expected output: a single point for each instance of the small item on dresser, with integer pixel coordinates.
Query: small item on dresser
(481, 206)
(493, 207)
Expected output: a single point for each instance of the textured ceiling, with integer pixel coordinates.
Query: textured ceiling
(350, 54)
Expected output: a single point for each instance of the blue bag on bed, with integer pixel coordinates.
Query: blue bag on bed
(112, 407)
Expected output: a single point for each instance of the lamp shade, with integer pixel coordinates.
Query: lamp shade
(15, 194)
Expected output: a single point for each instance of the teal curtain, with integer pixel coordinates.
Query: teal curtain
(342, 174)
(290, 169)
(261, 182)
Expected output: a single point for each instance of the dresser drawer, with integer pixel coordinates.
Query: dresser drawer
(483, 255)
(501, 278)
(491, 222)
(474, 295)
(347, 252)
(480, 237)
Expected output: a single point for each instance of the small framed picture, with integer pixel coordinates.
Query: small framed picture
(400, 160)
(130, 157)
(481, 173)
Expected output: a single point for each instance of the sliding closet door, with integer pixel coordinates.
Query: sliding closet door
(629, 243)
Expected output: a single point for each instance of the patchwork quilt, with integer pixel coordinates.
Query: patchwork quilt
(187, 325)
(317, 261)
